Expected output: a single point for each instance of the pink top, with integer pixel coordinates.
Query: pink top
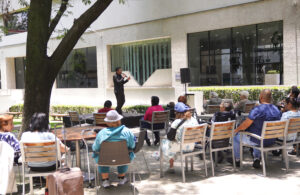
(104, 110)
(150, 110)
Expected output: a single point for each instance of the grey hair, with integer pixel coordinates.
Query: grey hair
(213, 94)
(244, 93)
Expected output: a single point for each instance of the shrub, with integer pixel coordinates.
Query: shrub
(278, 93)
(82, 109)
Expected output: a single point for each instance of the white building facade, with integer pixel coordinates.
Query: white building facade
(224, 43)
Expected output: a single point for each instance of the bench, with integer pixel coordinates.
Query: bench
(59, 116)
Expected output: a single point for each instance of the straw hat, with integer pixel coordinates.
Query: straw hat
(112, 116)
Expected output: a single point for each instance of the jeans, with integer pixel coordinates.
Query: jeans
(121, 169)
(245, 140)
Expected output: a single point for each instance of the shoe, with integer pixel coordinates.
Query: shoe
(156, 142)
(46, 191)
(122, 181)
(106, 183)
(276, 152)
(256, 164)
(237, 162)
(293, 152)
(148, 142)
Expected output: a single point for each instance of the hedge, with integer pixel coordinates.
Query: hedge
(82, 109)
(278, 93)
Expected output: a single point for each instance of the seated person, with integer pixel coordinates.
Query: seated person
(183, 99)
(6, 126)
(171, 107)
(107, 107)
(239, 106)
(171, 149)
(292, 108)
(213, 100)
(254, 123)
(148, 117)
(294, 92)
(114, 132)
(39, 132)
(225, 112)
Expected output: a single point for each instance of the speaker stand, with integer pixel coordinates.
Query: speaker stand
(185, 89)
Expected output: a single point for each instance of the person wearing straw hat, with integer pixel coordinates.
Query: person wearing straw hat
(6, 126)
(114, 132)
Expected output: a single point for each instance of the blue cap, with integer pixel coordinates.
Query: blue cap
(181, 107)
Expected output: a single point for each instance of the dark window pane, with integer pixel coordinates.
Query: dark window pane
(237, 56)
(20, 72)
(79, 70)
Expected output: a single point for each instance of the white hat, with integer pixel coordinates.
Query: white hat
(112, 116)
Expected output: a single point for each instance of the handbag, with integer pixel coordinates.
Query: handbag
(172, 132)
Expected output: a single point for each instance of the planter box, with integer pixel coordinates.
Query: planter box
(272, 79)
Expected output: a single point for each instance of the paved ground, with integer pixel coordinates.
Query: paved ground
(246, 181)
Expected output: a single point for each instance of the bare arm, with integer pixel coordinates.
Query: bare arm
(244, 125)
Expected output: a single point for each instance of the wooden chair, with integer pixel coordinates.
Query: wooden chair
(219, 140)
(211, 109)
(270, 130)
(38, 152)
(99, 119)
(76, 119)
(193, 135)
(294, 128)
(248, 107)
(113, 154)
(158, 117)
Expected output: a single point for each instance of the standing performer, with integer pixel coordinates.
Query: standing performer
(119, 80)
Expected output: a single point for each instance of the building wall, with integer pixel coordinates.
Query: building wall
(176, 28)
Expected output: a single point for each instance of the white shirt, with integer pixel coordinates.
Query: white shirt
(34, 137)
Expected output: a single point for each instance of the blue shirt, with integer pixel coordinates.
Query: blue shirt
(114, 134)
(260, 114)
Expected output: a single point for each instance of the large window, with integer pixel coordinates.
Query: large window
(79, 70)
(20, 72)
(15, 22)
(142, 58)
(244, 55)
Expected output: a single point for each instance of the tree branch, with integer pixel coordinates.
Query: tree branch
(56, 19)
(79, 27)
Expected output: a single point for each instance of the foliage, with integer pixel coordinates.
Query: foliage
(278, 93)
(83, 109)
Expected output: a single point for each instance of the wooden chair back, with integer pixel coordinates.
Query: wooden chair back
(194, 134)
(274, 129)
(74, 116)
(294, 125)
(99, 119)
(248, 107)
(40, 152)
(211, 109)
(160, 117)
(114, 154)
(222, 130)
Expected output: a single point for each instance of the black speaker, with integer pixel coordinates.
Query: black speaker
(185, 75)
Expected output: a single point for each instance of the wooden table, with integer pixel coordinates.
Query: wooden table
(74, 134)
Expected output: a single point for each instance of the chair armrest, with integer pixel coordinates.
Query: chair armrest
(149, 122)
(252, 135)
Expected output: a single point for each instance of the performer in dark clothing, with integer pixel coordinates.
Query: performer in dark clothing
(119, 80)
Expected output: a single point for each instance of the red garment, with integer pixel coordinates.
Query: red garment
(150, 110)
(104, 110)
